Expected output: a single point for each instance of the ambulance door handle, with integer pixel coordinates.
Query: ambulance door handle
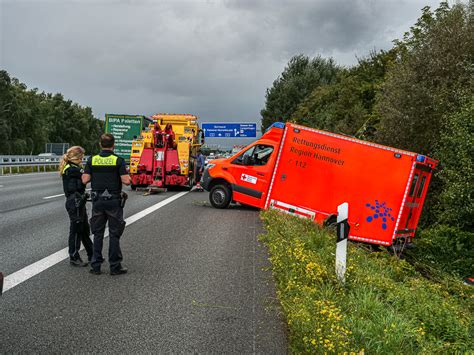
(261, 174)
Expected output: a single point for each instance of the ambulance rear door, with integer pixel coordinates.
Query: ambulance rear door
(414, 201)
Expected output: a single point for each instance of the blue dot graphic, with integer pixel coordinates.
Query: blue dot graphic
(380, 210)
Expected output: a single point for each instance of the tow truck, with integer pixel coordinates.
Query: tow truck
(164, 153)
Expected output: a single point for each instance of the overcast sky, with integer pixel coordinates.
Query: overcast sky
(214, 59)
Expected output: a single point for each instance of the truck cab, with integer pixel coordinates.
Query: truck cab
(245, 176)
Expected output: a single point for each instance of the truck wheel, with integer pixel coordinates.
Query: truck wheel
(220, 196)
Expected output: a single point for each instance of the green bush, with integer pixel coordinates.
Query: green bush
(444, 249)
(455, 151)
(386, 305)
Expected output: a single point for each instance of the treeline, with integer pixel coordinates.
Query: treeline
(418, 96)
(29, 119)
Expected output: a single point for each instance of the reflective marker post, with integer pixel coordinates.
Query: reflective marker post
(341, 243)
(1, 283)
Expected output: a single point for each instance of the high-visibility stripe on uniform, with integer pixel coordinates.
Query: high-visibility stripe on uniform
(111, 160)
(67, 166)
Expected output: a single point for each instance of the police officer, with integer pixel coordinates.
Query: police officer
(200, 162)
(70, 169)
(107, 173)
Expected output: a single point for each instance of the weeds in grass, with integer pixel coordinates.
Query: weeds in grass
(386, 305)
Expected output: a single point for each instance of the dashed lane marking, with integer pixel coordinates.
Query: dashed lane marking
(34, 269)
(54, 196)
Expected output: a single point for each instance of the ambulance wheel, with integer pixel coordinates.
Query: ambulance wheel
(220, 196)
(331, 222)
(133, 187)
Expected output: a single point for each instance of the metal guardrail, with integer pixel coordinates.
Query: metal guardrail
(10, 163)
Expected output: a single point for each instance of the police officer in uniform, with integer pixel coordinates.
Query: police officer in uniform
(107, 173)
(70, 169)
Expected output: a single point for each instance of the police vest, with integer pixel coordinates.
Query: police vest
(105, 174)
(71, 175)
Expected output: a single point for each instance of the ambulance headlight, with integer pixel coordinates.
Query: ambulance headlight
(208, 166)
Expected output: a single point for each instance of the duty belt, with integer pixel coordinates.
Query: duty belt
(105, 195)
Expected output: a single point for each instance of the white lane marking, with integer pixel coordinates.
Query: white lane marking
(1, 185)
(34, 269)
(48, 197)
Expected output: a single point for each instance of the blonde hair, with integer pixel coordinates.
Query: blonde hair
(73, 155)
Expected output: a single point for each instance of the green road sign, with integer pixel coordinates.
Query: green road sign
(124, 128)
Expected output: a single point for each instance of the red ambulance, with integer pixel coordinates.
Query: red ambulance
(307, 173)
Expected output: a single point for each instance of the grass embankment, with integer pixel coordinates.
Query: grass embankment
(386, 305)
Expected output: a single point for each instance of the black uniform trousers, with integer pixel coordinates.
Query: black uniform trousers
(104, 211)
(79, 230)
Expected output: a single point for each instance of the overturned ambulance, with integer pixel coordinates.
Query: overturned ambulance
(307, 173)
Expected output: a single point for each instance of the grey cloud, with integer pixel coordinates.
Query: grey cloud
(214, 59)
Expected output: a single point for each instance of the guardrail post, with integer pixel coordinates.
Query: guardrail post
(341, 244)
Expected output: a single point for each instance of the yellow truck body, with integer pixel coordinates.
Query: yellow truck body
(188, 138)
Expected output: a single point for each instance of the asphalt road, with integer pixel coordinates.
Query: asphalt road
(198, 279)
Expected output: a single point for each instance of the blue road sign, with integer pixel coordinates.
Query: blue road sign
(230, 130)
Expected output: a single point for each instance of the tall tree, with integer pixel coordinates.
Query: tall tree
(347, 105)
(299, 78)
(29, 119)
(5, 112)
(434, 72)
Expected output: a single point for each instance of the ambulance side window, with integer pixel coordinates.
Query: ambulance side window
(258, 155)
(413, 185)
(262, 154)
(240, 159)
(422, 185)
